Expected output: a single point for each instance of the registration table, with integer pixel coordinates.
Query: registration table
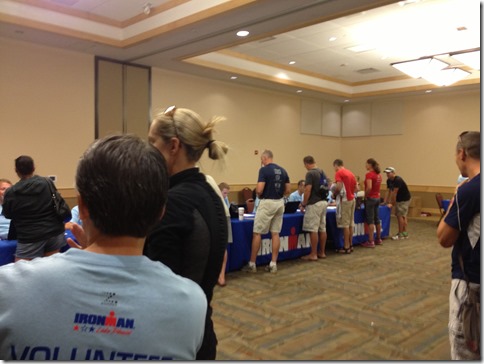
(294, 242)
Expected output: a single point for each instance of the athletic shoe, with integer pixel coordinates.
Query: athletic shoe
(368, 244)
(249, 268)
(404, 235)
(378, 242)
(397, 237)
(271, 269)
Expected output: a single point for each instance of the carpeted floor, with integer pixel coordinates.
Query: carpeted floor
(386, 303)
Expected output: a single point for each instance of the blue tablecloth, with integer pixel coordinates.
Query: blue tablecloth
(294, 242)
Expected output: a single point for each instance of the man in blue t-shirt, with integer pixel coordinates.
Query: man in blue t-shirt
(461, 229)
(272, 185)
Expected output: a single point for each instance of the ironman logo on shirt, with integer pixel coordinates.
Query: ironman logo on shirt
(102, 324)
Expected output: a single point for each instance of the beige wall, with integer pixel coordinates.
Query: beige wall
(256, 120)
(424, 154)
(47, 108)
(47, 111)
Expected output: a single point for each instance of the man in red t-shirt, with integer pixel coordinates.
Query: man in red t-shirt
(346, 187)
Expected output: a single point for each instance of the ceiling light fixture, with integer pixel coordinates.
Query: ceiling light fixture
(147, 8)
(420, 67)
(471, 58)
(292, 62)
(438, 72)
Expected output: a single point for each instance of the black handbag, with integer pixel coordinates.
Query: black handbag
(61, 208)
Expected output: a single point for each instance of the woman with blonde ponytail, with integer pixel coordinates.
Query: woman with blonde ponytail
(191, 238)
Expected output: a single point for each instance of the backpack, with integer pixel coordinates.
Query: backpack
(323, 186)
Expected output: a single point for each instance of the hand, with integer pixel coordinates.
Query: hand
(80, 236)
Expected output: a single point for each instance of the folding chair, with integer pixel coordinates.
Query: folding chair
(439, 198)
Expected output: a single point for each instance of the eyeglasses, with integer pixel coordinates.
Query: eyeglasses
(170, 112)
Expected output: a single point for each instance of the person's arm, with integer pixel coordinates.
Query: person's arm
(338, 188)
(259, 188)
(287, 189)
(393, 197)
(307, 193)
(446, 234)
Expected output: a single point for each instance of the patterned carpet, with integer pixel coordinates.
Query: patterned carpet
(386, 303)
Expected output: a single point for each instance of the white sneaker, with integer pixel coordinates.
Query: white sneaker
(397, 237)
(271, 269)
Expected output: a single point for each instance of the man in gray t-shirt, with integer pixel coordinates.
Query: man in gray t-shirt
(106, 301)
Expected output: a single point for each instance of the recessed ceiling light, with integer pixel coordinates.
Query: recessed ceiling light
(332, 39)
(428, 91)
(299, 91)
(292, 62)
(233, 77)
(347, 100)
(242, 33)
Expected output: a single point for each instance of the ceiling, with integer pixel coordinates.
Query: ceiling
(321, 36)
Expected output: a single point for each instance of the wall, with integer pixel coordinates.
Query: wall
(47, 104)
(47, 108)
(425, 153)
(256, 120)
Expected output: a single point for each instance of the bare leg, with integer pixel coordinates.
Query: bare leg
(401, 224)
(256, 241)
(313, 255)
(221, 277)
(323, 236)
(378, 232)
(405, 223)
(347, 237)
(276, 243)
(371, 236)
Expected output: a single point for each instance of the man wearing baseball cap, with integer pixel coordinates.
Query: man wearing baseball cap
(398, 195)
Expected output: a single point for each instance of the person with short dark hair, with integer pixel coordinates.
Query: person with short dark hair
(106, 301)
(398, 195)
(460, 228)
(272, 185)
(28, 203)
(297, 195)
(344, 192)
(314, 206)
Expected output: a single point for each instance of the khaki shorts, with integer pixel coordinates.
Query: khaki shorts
(315, 217)
(269, 216)
(347, 218)
(458, 346)
(40, 248)
(402, 208)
